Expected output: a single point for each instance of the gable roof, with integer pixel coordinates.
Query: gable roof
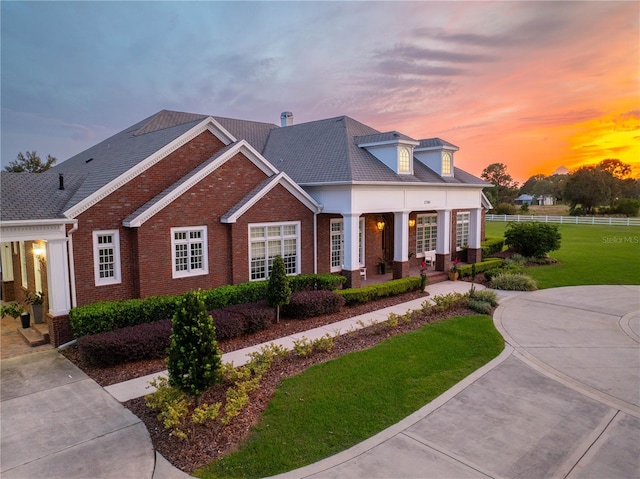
(260, 192)
(170, 194)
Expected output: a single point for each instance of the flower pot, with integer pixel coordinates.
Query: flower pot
(37, 313)
(383, 268)
(453, 276)
(25, 318)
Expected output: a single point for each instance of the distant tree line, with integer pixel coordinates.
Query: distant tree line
(30, 162)
(606, 188)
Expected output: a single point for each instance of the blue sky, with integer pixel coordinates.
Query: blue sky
(534, 85)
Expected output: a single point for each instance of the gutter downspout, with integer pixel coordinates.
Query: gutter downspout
(72, 268)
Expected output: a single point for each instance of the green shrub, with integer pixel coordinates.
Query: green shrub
(480, 267)
(194, 361)
(492, 246)
(485, 296)
(311, 282)
(278, 290)
(479, 306)
(513, 282)
(375, 291)
(505, 209)
(532, 239)
(516, 259)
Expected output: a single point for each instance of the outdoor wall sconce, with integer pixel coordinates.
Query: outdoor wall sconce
(39, 252)
(380, 224)
(412, 223)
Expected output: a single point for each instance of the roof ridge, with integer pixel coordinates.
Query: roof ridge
(166, 119)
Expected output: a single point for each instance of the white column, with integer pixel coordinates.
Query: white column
(475, 228)
(58, 277)
(443, 243)
(401, 237)
(351, 244)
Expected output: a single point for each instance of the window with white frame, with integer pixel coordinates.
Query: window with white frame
(266, 241)
(106, 257)
(404, 161)
(446, 163)
(337, 243)
(189, 251)
(462, 229)
(426, 233)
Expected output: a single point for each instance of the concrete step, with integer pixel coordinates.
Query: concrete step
(36, 335)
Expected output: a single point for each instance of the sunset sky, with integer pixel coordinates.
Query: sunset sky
(534, 85)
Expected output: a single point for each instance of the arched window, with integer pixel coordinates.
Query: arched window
(446, 164)
(404, 163)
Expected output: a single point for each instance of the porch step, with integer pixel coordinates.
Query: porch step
(36, 335)
(438, 277)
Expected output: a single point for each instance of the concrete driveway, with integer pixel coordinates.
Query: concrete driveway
(562, 400)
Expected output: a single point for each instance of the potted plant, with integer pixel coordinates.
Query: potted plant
(454, 272)
(36, 301)
(382, 265)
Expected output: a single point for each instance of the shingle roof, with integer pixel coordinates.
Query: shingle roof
(36, 196)
(436, 143)
(382, 137)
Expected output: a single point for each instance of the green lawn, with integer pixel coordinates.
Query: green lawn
(335, 405)
(590, 254)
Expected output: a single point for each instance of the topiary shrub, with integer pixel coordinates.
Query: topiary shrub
(513, 282)
(228, 324)
(308, 304)
(491, 246)
(532, 239)
(143, 341)
(194, 361)
(278, 290)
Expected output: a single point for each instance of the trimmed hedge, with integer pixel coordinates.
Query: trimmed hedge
(257, 316)
(375, 291)
(307, 304)
(109, 315)
(481, 266)
(492, 245)
(228, 324)
(143, 341)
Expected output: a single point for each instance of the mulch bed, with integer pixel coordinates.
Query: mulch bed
(208, 443)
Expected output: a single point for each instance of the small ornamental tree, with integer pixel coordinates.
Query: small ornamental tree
(533, 240)
(194, 360)
(279, 291)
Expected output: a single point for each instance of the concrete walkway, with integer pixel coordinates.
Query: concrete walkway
(562, 400)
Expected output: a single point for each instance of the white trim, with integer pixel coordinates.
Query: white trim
(281, 179)
(420, 226)
(23, 265)
(208, 124)
(332, 233)
(394, 141)
(241, 147)
(117, 276)
(205, 252)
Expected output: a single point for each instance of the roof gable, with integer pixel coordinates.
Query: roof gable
(162, 200)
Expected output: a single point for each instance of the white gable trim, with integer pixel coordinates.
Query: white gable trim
(288, 184)
(208, 124)
(241, 147)
(486, 204)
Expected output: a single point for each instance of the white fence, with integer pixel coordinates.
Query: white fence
(569, 220)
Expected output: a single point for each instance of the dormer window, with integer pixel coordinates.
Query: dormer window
(404, 161)
(446, 163)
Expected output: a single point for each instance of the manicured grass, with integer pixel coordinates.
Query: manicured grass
(335, 405)
(589, 254)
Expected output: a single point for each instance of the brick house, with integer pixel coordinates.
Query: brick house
(181, 201)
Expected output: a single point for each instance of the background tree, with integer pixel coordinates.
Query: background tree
(588, 187)
(278, 291)
(506, 189)
(194, 362)
(615, 168)
(528, 186)
(30, 162)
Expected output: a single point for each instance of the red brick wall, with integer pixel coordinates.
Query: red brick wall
(277, 206)
(109, 213)
(204, 204)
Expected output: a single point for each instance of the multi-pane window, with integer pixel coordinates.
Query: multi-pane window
(462, 229)
(337, 244)
(271, 240)
(189, 251)
(426, 233)
(106, 257)
(446, 164)
(404, 161)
